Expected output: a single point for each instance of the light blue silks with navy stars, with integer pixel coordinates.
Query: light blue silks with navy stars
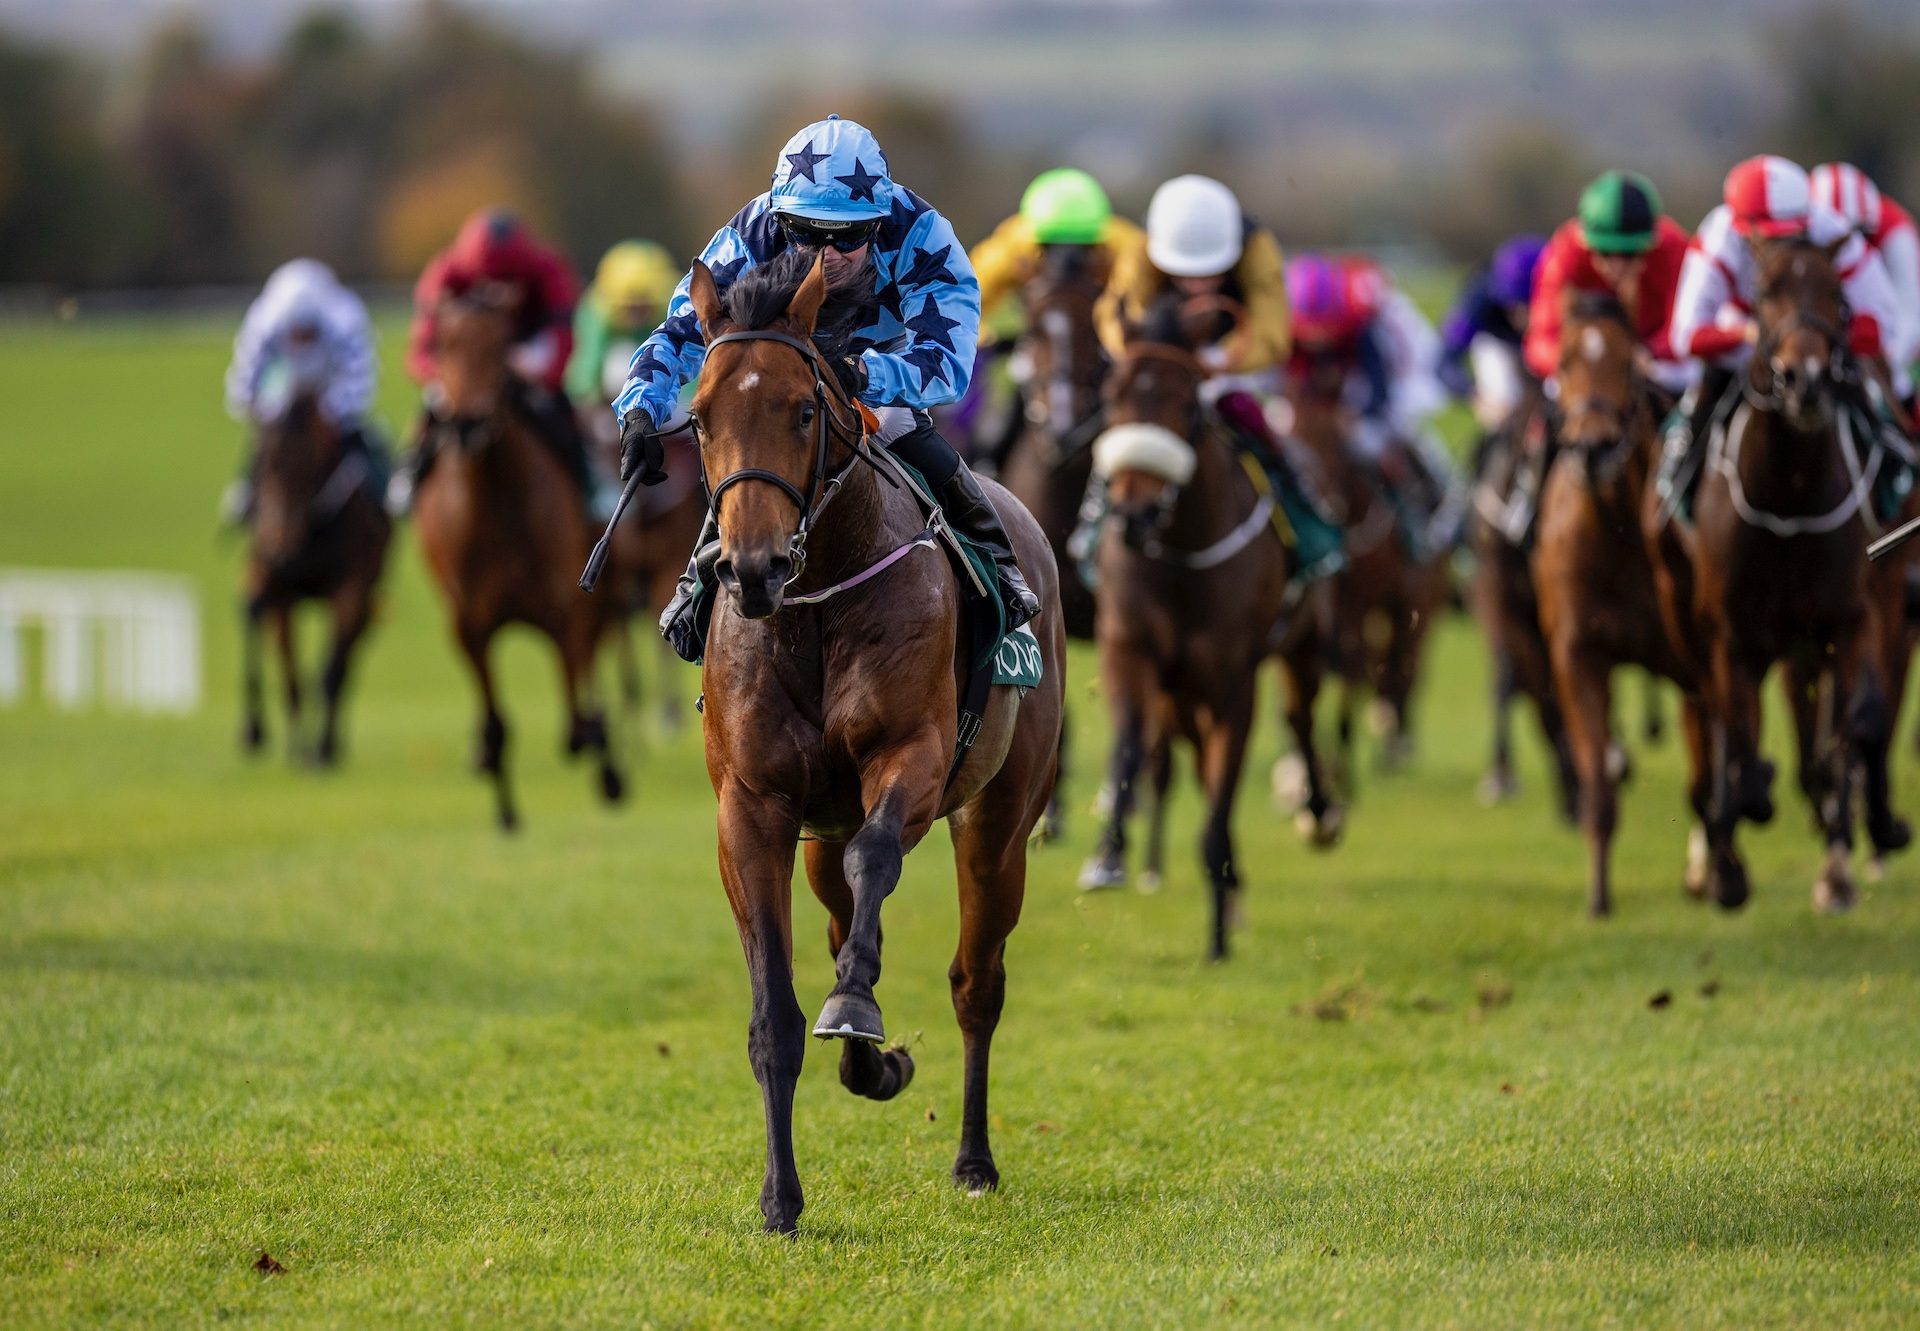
(919, 348)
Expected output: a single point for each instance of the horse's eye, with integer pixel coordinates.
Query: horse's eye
(806, 414)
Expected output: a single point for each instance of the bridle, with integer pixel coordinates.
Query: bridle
(830, 426)
(1058, 447)
(1840, 367)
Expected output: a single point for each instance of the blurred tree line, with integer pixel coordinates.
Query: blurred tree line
(362, 149)
(366, 148)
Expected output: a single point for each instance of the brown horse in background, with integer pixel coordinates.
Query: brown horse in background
(832, 677)
(1501, 595)
(1052, 457)
(505, 531)
(1592, 567)
(1384, 602)
(1194, 595)
(317, 534)
(1775, 570)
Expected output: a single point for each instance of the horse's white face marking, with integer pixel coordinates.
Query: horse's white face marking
(750, 382)
(1055, 323)
(1593, 345)
(1800, 266)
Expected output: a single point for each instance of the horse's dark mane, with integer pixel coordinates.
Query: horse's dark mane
(1590, 306)
(760, 296)
(1163, 324)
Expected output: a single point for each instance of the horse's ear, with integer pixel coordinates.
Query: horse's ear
(804, 309)
(706, 300)
(1833, 247)
(1100, 265)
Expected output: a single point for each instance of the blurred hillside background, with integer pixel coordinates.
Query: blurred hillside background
(154, 143)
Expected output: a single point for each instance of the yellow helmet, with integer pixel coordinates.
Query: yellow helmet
(635, 272)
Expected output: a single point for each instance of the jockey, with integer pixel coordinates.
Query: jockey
(1765, 198)
(831, 192)
(1481, 336)
(304, 332)
(627, 300)
(1621, 244)
(1348, 316)
(1889, 232)
(495, 249)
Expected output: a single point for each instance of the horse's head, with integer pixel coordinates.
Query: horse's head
(1599, 393)
(294, 453)
(768, 415)
(1146, 454)
(1802, 313)
(1064, 359)
(472, 333)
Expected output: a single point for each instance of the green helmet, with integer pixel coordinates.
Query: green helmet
(1065, 207)
(1618, 213)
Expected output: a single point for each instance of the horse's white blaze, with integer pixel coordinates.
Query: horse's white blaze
(1593, 345)
(750, 381)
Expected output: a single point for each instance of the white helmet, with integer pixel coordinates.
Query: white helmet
(1194, 227)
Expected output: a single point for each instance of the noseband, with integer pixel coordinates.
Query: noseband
(829, 425)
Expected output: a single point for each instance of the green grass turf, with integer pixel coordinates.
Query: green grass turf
(445, 1077)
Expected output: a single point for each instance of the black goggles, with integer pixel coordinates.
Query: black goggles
(810, 234)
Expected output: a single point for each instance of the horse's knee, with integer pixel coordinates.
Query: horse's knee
(776, 1046)
(1869, 718)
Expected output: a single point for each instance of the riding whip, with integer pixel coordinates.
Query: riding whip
(1894, 539)
(597, 561)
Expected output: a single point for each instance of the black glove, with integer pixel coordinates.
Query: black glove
(640, 449)
(851, 371)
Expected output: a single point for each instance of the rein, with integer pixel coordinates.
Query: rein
(1725, 459)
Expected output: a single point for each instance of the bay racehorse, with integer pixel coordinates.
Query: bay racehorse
(1501, 595)
(317, 534)
(1592, 567)
(832, 683)
(1775, 571)
(504, 530)
(1194, 595)
(1062, 365)
(1384, 600)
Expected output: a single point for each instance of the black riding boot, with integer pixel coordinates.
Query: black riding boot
(680, 622)
(1685, 454)
(970, 512)
(554, 421)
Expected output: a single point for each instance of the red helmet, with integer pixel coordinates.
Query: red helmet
(1846, 190)
(1366, 287)
(1768, 196)
(1320, 298)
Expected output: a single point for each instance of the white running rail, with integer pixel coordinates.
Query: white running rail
(129, 641)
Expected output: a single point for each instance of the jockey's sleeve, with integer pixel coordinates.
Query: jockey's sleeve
(940, 308)
(1263, 280)
(249, 362)
(1001, 262)
(675, 351)
(1468, 317)
(1542, 348)
(1370, 358)
(1705, 288)
(426, 294)
(349, 392)
(1900, 251)
(1877, 320)
(590, 338)
(1130, 291)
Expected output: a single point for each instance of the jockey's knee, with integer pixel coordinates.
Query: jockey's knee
(921, 446)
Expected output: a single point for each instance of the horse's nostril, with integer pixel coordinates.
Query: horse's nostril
(724, 572)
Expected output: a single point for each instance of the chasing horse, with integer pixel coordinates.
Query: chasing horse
(504, 528)
(303, 374)
(1196, 591)
(1773, 569)
(1592, 567)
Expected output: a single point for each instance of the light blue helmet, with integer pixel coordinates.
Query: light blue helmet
(832, 171)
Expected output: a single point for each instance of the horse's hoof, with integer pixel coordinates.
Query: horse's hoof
(1322, 833)
(1289, 782)
(1619, 764)
(253, 737)
(1895, 835)
(1102, 807)
(975, 1175)
(1833, 890)
(877, 1074)
(1699, 863)
(1729, 884)
(1496, 788)
(1149, 882)
(509, 821)
(849, 1016)
(613, 787)
(1100, 873)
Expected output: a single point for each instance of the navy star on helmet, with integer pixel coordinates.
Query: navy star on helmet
(832, 171)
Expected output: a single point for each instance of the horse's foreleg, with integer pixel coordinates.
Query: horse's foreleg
(1584, 700)
(281, 621)
(1223, 750)
(1696, 727)
(865, 1068)
(1321, 820)
(253, 726)
(352, 609)
(578, 638)
(1160, 780)
(491, 755)
(1870, 725)
(756, 867)
(1498, 785)
(1856, 712)
(1733, 745)
(900, 790)
(1108, 865)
